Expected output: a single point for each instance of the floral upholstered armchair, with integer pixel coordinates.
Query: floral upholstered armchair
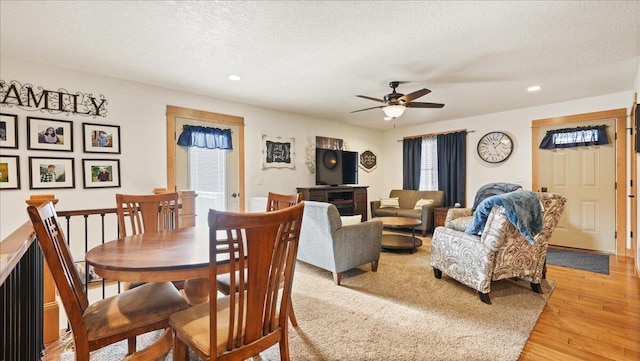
(501, 251)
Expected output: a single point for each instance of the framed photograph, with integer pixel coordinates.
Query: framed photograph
(8, 131)
(49, 134)
(278, 152)
(99, 138)
(85, 276)
(49, 173)
(101, 173)
(9, 172)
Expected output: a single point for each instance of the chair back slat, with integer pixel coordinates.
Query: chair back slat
(262, 247)
(277, 201)
(146, 213)
(58, 257)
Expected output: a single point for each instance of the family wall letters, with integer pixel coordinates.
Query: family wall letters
(54, 101)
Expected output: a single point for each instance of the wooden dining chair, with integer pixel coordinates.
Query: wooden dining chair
(275, 202)
(139, 213)
(121, 317)
(245, 323)
(146, 213)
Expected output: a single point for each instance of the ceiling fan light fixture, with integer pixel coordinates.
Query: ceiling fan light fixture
(394, 111)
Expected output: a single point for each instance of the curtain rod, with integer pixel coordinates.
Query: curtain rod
(429, 134)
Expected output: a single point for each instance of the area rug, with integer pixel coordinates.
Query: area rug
(579, 260)
(401, 312)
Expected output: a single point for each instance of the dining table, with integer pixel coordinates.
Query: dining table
(171, 255)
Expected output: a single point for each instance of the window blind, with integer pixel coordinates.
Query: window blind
(429, 164)
(208, 178)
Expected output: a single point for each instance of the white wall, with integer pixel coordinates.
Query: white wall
(139, 110)
(516, 123)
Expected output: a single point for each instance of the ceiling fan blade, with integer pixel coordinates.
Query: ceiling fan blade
(424, 105)
(370, 98)
(355, 111)
(415, 95)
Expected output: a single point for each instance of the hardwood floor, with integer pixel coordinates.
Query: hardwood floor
(589, 316)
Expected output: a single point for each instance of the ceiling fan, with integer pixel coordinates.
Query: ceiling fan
(394, 103)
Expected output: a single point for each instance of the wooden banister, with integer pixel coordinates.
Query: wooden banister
(51, 315)
(188, 206)
(21, 289)
(188, 211)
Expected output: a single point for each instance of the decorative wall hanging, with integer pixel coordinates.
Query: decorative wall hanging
(15, 94)
(310, 155)
(368, 161)
(101, 173)
(99, 138)
(49, 134)
(8, 131)
(49, 173)
(330, 143)
(9, 172)
(278, 152)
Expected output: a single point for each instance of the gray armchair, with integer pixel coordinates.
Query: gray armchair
(325, 243)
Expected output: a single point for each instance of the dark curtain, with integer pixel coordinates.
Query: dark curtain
(575, 137)
(452, 167)
(205, 137)
(411, 154)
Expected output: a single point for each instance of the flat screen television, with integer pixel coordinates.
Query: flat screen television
(336, 167)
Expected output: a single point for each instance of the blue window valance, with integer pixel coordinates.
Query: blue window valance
(205, 137)
(575, 137)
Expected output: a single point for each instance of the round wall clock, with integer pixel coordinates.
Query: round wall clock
(495, 147)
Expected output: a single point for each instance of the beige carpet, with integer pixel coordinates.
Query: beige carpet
(402, 312)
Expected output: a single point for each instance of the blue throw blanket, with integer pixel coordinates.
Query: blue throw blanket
(492, 189)
(522, 209)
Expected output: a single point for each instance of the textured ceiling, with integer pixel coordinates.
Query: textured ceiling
(312, 58)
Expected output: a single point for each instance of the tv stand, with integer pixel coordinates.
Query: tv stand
(350, 200)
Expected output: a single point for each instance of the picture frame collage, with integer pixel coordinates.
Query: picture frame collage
(55, 135)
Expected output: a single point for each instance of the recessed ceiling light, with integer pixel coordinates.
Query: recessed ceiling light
(234, 77)
(534, 88)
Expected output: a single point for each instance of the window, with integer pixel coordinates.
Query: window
(429, 164)
(208, 178)
(436, 162)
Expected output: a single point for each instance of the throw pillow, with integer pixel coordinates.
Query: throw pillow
(389, 203)
(460, 224)
(349, 220)
(422, 202)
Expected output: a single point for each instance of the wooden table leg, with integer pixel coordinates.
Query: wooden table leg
(196, 291)
(156, 350)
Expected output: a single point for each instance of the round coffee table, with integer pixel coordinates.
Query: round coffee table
(399, 241)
